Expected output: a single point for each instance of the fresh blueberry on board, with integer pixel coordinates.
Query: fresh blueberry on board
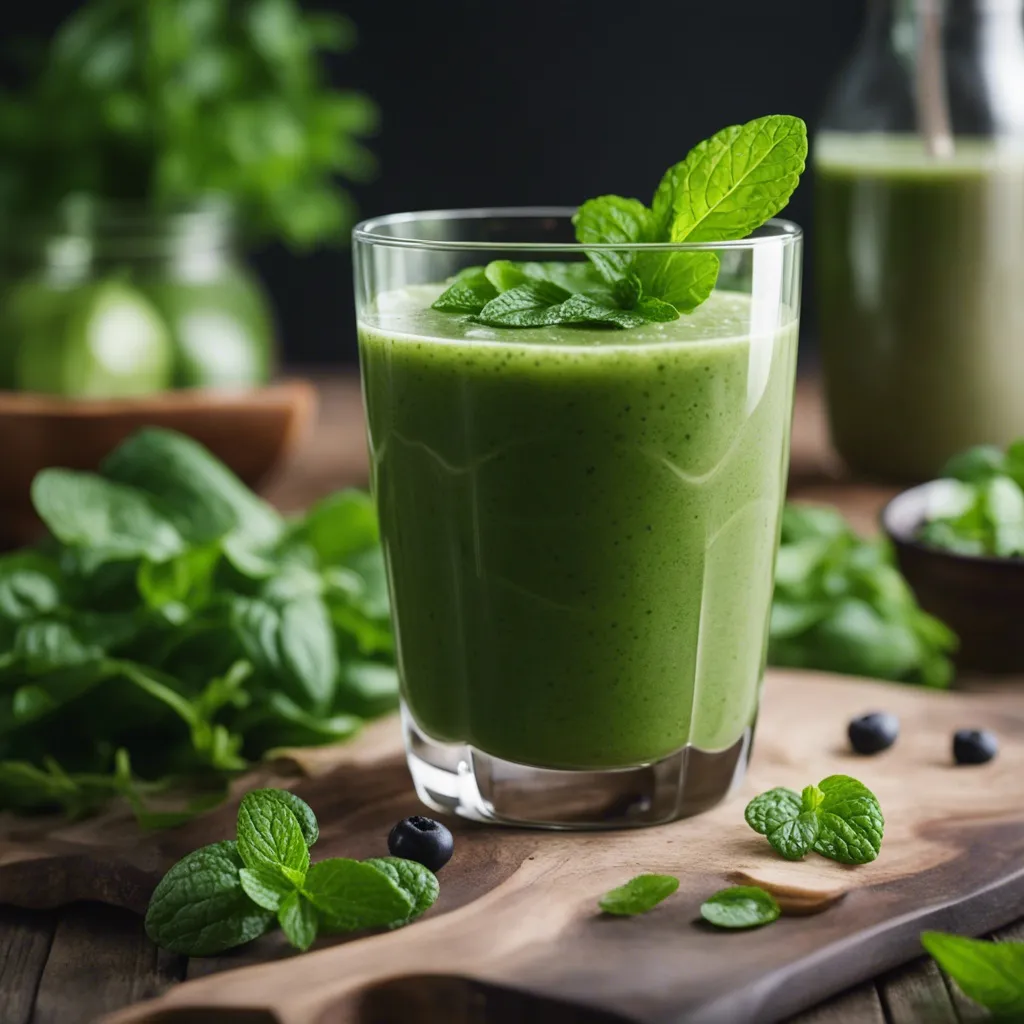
(974, 746)
(873, 733)
(423, 840)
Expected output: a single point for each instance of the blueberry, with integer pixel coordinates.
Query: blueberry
(974, 746)
(871, 734)
(423, 840)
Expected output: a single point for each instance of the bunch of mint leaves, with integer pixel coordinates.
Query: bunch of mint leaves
(979, 509)
(840, 818)
(725, 188)
(229, 893)
(174, 627)
(161, 103)
(841, 605)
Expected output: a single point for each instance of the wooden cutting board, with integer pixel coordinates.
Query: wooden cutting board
(515, 934)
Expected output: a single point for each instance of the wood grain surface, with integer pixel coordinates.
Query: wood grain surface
(517, 910)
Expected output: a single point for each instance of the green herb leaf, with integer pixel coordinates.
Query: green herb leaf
(352, 895)
(990, 973)
(839, 818)
(120, 521)
(298, 920)
(29, 586)
(638, 895)
(682, 279)
(742, 906)
(976, 465)
(613, 220)
(303, 812)
(199, 908)
(534, 304)
(269, 836)
(266, 887)
(418, 882)
(469, 292)
(733, 182)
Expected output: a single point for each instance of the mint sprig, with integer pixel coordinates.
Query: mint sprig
(741, 906)
(229, 893)
(726, 187)
(638, 895)
(990, 973)
(840, 818)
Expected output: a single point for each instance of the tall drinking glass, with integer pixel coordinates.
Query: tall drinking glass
(579, 524)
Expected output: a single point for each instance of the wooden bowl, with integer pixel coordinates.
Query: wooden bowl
(251, 431)
(980, 598)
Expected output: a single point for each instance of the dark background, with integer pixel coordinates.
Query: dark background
(543, 102)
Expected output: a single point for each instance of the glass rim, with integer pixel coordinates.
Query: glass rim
(776, 231)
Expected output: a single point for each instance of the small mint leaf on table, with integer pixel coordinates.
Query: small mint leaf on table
(638, 895)
(266, 887)
(732, 183)
(352, 895)
(299, 920)
(302, 811)
(199, 908)
(419, 882)
(742, 906)
(269, 836)
(990, 973)
(840, 818)
(469, 292)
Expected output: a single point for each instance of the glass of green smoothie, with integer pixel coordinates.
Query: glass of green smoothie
(919, 236)
(579, 494)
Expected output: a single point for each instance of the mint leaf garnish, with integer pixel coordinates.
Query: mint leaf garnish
(638, 895)
(614, 220)
(840, 818)
(352, 895)
(298, 920)
(990, 973)
(742, 906)
(199, 908)
(532, 304)
(733, 182)
(419, 882)
(266, 887)
(269, 836)
(469, 292)
(681, 279)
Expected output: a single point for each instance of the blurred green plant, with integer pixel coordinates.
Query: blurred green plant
(158, 102)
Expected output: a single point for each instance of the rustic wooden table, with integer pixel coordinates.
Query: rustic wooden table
(75, 964)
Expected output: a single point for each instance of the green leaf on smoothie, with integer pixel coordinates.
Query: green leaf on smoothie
(638, 895)
(726, 187)
(742, 906)
(840, 818)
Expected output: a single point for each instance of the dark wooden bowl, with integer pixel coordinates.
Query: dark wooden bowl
(980, 598)
(251, 431)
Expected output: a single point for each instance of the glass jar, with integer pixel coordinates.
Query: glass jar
(114, 303)
(920, 236)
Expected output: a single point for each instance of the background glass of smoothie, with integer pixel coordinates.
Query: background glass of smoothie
(579, 524)
(919, 240)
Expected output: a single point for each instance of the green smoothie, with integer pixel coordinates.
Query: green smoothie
(579, 525)
(921, 299)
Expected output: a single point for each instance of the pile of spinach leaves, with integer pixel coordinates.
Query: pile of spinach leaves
(174, 627)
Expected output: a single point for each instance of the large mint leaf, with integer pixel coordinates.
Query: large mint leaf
(733, 182)
(269, 836)
(303, 812)
(850, 821)
(199, 907)
(419, 882)
(352, 895)
(613, 220)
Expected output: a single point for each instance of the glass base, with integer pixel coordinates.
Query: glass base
(455, 778)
